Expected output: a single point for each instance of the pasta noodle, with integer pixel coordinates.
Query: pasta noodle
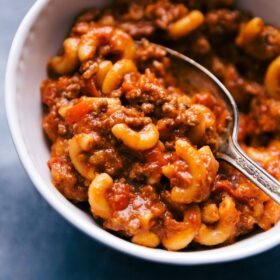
(66, 63)
(186, 24)
(115, 75)
(97, 195)
(225, 227)
(143, 140)
(272, 79)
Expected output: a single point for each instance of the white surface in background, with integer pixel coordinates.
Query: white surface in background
(267, 9)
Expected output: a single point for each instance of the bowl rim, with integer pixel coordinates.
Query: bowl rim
(223, 254)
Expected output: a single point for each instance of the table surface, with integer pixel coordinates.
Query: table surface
(37, 243)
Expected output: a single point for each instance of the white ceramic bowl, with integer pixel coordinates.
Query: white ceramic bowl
(39, 36)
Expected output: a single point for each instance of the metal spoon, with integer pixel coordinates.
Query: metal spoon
(228, 150)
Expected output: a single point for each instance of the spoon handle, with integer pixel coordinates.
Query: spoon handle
(262, 179)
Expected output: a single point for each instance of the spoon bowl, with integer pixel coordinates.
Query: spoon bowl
(229, 149)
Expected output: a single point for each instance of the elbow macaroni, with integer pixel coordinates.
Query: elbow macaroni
(119, 40)
(183, 232)
(92, 40)
(115, 75)
(199, 188)
(206, 120)
(272, 79)
(142, 140)
(210, 213)
(225, 227)
(147, 239)
(187, 24)
(103, 68)
(250, 31)
(77, 145)
(68, 62)
(97, 195)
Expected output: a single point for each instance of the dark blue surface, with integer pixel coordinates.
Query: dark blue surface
(36, 243)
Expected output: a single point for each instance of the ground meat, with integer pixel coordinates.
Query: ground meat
(141, 213)
(149, 172)
(51, 124)
(271, 215)
(138, 30)
(264, 117)
(240, 88)
(223, 22)
(64, 88)
(119, 196)
(107, 160)
(147, 51)
(144, 89)
(267, 157)
(163, 13)
(265, 45)
(66, 180)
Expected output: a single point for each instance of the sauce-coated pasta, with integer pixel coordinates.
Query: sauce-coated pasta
(133, 138)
